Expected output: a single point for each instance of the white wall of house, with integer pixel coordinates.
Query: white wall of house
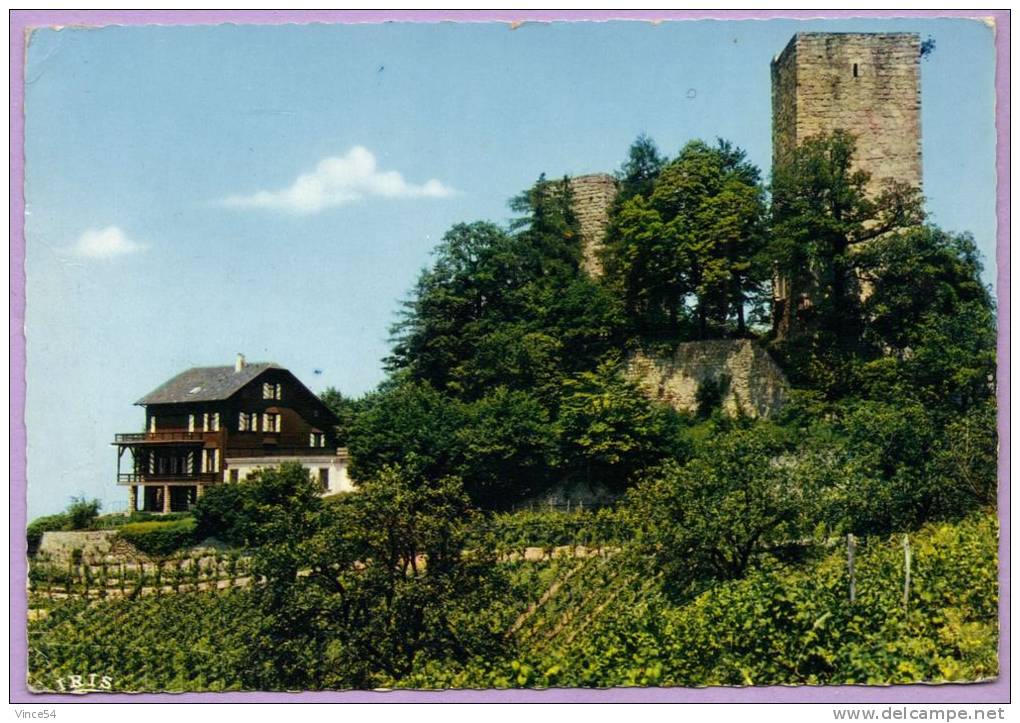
(332, 467)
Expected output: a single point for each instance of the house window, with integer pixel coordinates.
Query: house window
(324, 478)
(234, 475)
(247, 422)
(211, 422)
(316, 439)
(210, 460)
(191, 422)
(270, 422)
(271, 391)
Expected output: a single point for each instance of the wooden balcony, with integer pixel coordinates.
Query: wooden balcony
(271, 450)
(173, 437)
(200, 478)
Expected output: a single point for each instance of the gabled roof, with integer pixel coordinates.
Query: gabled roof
(205, 384)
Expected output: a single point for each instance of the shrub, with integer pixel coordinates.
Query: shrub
(81, 513)
(159, 538)
(113, 521)
(218, 513)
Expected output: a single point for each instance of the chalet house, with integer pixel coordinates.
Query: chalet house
(216, 425)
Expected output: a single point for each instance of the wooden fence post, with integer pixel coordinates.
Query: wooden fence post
(851, 548)
(906, 570)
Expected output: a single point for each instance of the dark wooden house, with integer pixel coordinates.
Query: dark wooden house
(215, 425)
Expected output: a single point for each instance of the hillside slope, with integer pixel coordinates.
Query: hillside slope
(597, 621)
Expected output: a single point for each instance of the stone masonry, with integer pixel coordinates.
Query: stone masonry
(593, 197)
(864, 83)
(750, 381)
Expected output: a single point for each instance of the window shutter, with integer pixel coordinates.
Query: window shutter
(191, 422)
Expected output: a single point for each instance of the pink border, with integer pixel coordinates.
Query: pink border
(20, 21)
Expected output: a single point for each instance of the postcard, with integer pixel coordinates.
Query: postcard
(623, 357)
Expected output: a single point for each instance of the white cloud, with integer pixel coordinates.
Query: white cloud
(104, 243)
(338, 180)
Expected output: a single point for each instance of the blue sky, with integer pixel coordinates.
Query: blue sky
(194, 192)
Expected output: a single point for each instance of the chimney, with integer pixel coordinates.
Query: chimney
(239, 364)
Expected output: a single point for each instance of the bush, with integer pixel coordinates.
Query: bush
(218, 513)
(114, 521)
(81, 513)
(159, 538)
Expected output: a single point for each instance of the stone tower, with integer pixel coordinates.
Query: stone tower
(593, 198)
(864, 83)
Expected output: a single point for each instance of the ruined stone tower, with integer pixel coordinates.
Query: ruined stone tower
(864, 83)
(593, 197)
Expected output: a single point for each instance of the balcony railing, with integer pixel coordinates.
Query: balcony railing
(274, 451)
(141, 437)
(201, 478)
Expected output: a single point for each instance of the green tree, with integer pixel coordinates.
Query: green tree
(695, 239)
(708, 519)
(610, 429)
(548, 229)
(821, 212)
(267, 507)
(643, 165)
(345, 409)
(385, 584)
(506, 448)
(81, 513)
(409, 423)
(929, 321)
(470, 287)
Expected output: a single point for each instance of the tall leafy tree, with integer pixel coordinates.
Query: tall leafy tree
(821, 213)
(471, 286)
(694, 240)
(548, 228)
(609, 429)
(643, 165)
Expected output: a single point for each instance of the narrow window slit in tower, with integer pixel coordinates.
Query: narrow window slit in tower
(855, 70)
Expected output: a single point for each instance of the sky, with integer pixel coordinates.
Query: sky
(197, 191)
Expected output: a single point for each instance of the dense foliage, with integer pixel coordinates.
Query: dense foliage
(505, 368)
(81, 514)
(686, 246)
(593, 622)
(721, 561)
(159, 538)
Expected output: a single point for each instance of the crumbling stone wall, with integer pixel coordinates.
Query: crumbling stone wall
(865, 83)
(748, 378)
(94, 544)
(593, 197)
